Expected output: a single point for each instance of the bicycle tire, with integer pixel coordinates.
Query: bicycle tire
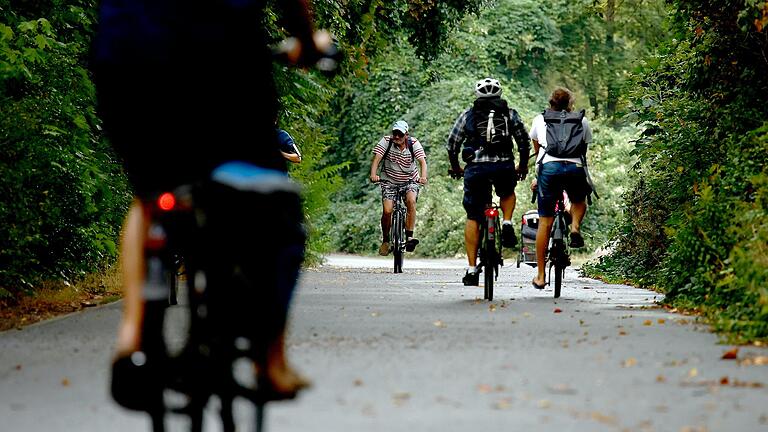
(397, 241)
(490, 265)
(558, 279)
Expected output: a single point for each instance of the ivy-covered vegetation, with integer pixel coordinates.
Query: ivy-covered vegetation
(531, 47)
(696, 219)
(63, 194)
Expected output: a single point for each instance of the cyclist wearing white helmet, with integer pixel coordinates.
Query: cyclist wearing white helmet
(483, 135)
(400, 153)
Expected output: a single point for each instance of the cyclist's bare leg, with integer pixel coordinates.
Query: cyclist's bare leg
(133, 269)
(578, 210)
(542, 241)
(471, 239)
(410, 204)
(386, 217)
(508, 206)
(281, 376)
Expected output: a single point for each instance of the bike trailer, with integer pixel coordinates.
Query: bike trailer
(528, 229)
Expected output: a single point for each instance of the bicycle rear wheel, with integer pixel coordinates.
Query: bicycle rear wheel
(398, 242)
(489, 261)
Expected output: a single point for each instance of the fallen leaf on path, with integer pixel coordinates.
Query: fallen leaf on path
(439, 324)
(661, 321)
(484, 388)
(724, 380)
(622, 333)
(558, 310)
(544, 404)
(527, 314)
(661, 379)
(629, 362)
(563, 389)
(731, 354)
(502, 404)
(492, 307)
(647, 322)
(358, 382)
(374, 314)
(18, 367)
(693, 372)
(400, 398)
(602, 418)
(65, 382)
(755, 361)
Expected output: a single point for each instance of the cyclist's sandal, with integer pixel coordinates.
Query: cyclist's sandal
(537, 286)
(384, 249)
(410, 244)
(577, 240)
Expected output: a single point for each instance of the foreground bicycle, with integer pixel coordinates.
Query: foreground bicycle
(218, 228)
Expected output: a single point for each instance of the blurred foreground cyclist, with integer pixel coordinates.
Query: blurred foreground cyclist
(182, 86)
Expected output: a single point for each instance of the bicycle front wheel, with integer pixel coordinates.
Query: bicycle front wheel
(398, 241)
(558, 279)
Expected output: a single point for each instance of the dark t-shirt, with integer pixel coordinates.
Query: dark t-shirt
(181, 87)
(286, 142)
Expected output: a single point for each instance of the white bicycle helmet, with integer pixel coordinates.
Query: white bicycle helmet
(488, 87)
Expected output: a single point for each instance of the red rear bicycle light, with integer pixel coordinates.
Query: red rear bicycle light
(491, 212)
(524, 222)
(166, 201)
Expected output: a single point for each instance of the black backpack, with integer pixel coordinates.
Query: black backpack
(490, 126)
(389, 146)
(565, 134)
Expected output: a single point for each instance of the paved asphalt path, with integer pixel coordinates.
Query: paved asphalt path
(419, 351)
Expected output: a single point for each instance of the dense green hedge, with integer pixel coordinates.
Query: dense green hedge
(63, 195)
(696, 218)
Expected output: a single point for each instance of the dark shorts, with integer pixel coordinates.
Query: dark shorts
(556, 177)
(479, 178)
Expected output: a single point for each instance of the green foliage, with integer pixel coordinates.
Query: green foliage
(695, 218)
(516, 42)
(63, 196)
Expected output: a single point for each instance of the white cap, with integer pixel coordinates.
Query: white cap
(400, 125)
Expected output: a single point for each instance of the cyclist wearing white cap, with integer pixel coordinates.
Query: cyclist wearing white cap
(404, 167)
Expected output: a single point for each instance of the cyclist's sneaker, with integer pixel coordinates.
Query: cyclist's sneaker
(508, 238)
(410, 244)
(471, 279)
(384, 249)
(577, 240)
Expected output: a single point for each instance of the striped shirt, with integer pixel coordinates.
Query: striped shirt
(398, 167)
(459, 135)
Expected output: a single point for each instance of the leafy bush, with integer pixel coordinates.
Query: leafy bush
(63, 196)
(695, 218)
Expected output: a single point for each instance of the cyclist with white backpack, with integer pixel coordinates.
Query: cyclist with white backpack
(560, 139)
(483, 134)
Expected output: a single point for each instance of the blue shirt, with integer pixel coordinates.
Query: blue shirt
(287, 145)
